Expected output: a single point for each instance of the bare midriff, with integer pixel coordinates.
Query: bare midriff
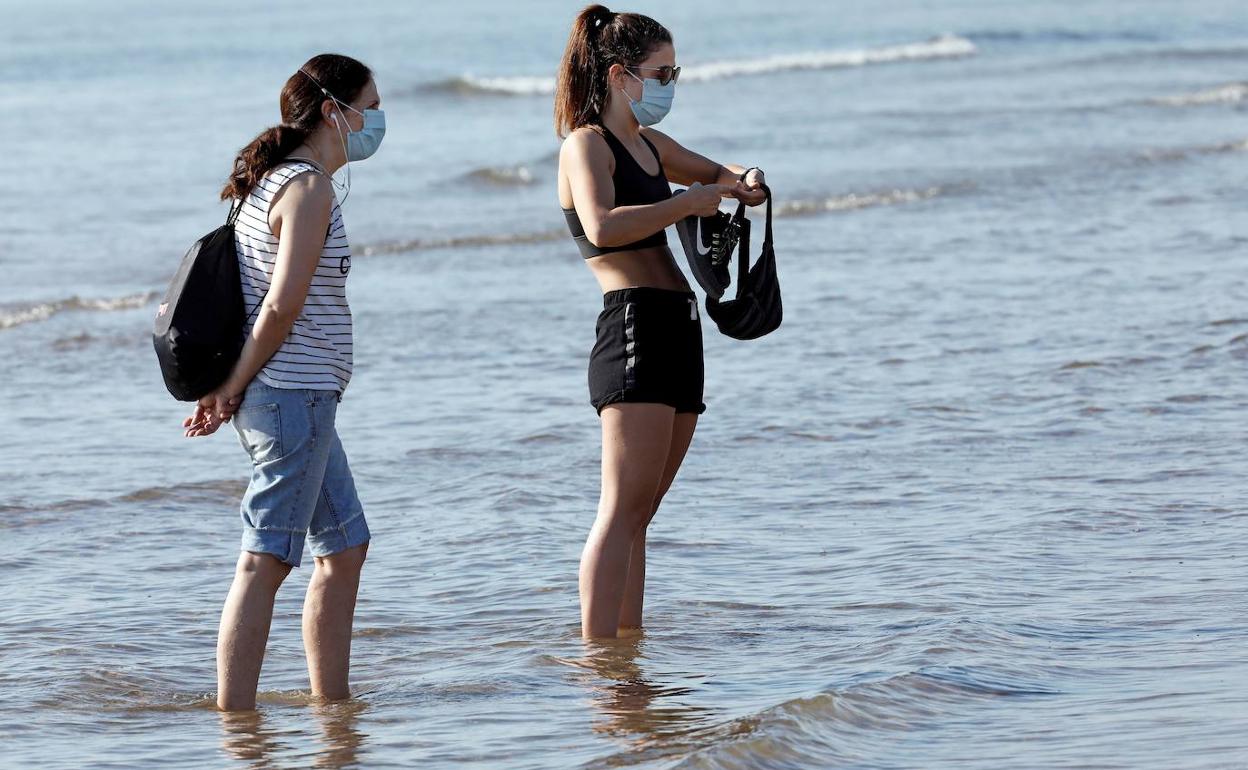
(654, 267)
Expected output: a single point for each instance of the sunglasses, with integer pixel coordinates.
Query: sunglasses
(667, 73)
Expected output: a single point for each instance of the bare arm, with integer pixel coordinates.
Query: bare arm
(684, 166)
(586, 161)
(299, 216)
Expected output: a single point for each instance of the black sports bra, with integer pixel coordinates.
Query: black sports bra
(633, 187)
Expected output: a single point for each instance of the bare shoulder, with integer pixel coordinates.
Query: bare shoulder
(305, 201)
(307, 190)
(312, 186)
(584, 144)
(660, 140)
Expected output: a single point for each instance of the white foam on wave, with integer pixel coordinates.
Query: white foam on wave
(942, 47)
(515, 86)
(42, 311)
(504, 176)
(854, 201)
(1227, 94)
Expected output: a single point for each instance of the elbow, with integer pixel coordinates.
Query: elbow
(599, 234)
(281, 313)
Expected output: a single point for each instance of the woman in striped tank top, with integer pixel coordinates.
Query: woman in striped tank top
(283, 393)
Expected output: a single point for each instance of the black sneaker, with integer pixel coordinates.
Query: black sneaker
(709, 243)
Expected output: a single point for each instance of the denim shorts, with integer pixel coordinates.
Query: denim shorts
(301, 486)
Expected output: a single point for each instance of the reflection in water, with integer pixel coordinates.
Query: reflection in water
(340, 739)
(243, 737)
(247, 738)
(633, 707)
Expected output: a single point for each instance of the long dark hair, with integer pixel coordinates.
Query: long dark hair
(599, 39)
(300, 102)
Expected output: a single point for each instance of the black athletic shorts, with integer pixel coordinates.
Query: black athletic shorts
(649, 350)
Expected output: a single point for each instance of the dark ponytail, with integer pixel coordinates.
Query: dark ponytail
(599, 39)
(300, 105)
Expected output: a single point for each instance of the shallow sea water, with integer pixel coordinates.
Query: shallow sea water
(978, 503)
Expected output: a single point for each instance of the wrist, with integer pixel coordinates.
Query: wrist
(232, 387)
(687, 205)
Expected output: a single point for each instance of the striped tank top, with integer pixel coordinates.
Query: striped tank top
(316, 355)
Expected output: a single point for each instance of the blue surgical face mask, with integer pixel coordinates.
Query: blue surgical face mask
(363, 143)
(655, 101)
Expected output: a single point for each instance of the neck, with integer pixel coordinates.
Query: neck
(619, 119)
(324, 147)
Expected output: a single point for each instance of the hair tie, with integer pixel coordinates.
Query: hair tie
(605, 17)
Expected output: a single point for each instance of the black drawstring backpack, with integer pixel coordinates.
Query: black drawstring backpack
(199, 327)
(757, 309)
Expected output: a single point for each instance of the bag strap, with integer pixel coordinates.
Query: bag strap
(767, 247)
(743, 247)
(235, 210)
(229, 221)
(743, 244)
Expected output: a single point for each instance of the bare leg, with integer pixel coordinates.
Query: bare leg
(635, 587)
(328, 614)
(244, 630)
(635, 443)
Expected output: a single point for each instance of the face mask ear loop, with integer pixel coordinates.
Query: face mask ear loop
(346, 190)
(639, 80)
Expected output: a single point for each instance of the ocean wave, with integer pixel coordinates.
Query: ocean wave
(460, 242)
(41, 311)
(196, 492)
(937, 48)
(1230, 93)
(800, 207)
(836, 726)
(190, 493)
(507, 86)
(1057, 35)
(943, 47)
(1226, 147)
(854, 201)
(518, 175)
(1225, 53)
(1175, 154)
(84, 340)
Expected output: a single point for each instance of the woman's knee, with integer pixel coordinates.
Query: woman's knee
(630, 518)
(262, 568)
(347, 563)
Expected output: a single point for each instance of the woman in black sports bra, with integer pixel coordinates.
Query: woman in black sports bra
(617, 78)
